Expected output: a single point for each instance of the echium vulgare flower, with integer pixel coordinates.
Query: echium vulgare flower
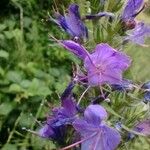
(131, 10)
(103, 65)
(92, 127)
(139, 30)
(126, 85)
(138, 34)
(56, 124)
(143, 127)
(71, 22)
(146, 88)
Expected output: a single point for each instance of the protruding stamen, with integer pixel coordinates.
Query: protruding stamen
(79, 142)
(31, 131)
(83, 95)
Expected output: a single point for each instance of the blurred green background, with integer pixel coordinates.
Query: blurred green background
(34, 71)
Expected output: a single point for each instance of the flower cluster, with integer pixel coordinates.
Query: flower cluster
(102, 70)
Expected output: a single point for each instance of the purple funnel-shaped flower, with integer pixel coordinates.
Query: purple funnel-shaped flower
(132, 8)
(126, 85)
(138, 34)
(146, 86)
(56, 124)
(68, 91)
(105, 65)
(75, 48)
(146, 97)
(98, 135)
(72, 23)
(143, 127)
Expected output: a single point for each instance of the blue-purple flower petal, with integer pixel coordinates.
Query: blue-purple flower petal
(143, 127)
(61, 22)
(75, 48)
(74, 22)
(56, 124)
(132, 8)
(71, 22)
(96, 135)
(68, 91)
(146, 97)
(146, 86)
(46, 131)
(95, 114)
(105, 65)
(138, 34)
(126, 85)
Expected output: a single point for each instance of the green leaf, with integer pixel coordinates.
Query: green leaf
(44, 91)
(38, 87)
(9, 147)
(5, 108)
(2, 37)
(26, 120)
(15, 88)
(2, 72)
(2, 27)
(27, 22)
(4, 54)
(138, 143)
(25, 84)
(8, 34)
(14, 76)
(111, 111)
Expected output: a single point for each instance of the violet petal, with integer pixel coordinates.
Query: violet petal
(95, 114)
(105, 65)
(75, 48)
(138, 34)
(143, 127)
(74, 22)
(131, 8)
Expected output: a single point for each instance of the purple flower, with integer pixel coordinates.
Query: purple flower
(138, 34)
(98, 135)
(104, 65)
(146, 97)
(55, 127)
(75, 48)
(132, 9)
(139, 30)
(72, 23)
(126, 85)
(146, 86)
(68, 91)
(143, 127)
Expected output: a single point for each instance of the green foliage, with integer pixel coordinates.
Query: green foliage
(30, 73)
(34, 71)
